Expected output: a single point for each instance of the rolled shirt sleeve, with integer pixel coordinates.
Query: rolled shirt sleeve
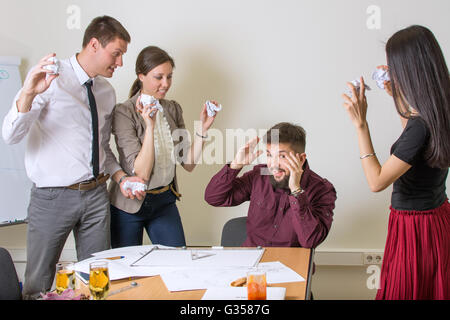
(226, 190)
(312, 215)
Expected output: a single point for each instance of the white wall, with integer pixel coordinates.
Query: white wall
(266, 62)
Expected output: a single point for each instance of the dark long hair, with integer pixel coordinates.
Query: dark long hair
(420, 79)
(149, 58)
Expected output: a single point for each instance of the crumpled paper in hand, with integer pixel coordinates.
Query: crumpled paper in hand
(53, 67)
(134, 186)
(211, 108)
(147, 100)
(357, 85)
(380, 75)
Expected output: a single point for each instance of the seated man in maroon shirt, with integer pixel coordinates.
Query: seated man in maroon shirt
(290, 205)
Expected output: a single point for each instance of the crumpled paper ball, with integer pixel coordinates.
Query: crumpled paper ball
(53, 67)
(381, 75)
(134, 186)
(212, 109)
(148, 100)
(357, 85)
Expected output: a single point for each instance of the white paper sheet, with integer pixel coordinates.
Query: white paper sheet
(276, 272)
(182, 273)
(197, 279)
(120, 268)
(212, 258)
(240, 293)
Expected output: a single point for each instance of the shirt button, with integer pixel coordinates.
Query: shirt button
(275, 226)
(294, 202)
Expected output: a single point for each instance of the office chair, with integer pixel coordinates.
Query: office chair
(234, 232)
(9, 283)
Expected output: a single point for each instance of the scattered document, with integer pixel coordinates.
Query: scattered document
(276, 272)
(120, 268)
(198, 279)
(189, 269)
(200, 258)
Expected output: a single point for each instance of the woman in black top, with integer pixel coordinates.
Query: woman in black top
(416, 260)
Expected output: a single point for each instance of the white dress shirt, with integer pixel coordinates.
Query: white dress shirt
(59, 128)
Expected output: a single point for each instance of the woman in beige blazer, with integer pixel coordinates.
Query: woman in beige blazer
(146, 141)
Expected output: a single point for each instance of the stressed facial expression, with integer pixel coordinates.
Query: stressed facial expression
(276, 162)
(110, 57)
(157, 81)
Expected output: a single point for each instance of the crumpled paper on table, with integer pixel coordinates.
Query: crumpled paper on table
(67, 294)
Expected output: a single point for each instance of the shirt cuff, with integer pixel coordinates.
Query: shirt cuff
(299, 202)
(227, 174)
(230, 170)
(14, 115)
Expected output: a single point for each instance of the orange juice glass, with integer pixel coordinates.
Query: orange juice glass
(256, 285)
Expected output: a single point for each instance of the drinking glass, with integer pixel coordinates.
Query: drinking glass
(256, 285)
(99, 280)
(65, 277)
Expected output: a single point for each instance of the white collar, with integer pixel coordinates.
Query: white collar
(79, 72)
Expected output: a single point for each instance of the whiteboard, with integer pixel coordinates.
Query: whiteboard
(15, 194)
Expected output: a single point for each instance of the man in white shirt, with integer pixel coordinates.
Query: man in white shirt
(67, 118)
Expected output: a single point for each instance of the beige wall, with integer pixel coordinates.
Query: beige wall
(266, 62)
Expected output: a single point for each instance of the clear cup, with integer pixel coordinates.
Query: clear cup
(65, 276)
(99, 280)
(256, 285)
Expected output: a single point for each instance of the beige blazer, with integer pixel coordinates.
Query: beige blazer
(128, 128)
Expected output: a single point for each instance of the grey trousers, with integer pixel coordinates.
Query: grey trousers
(52, 214)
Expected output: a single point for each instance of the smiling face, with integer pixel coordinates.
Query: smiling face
(276, 162)
(157, 81)
(108, 58)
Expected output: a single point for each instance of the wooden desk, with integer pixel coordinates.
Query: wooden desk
(153, 288)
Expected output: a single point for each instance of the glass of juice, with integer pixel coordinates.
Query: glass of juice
(256, 285)
(99, 280)
(65, 276)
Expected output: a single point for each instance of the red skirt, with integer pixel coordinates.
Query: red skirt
(416, 261)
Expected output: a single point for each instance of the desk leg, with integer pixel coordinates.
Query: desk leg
(310, 271)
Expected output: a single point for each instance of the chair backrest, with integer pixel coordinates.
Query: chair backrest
(9, 283)
(234, 232)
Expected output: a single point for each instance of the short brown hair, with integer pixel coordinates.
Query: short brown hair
(105, 29)
(287, 133)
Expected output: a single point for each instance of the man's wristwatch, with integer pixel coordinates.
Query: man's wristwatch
(298, 191)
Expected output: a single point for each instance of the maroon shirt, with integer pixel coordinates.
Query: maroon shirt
(275, 218)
